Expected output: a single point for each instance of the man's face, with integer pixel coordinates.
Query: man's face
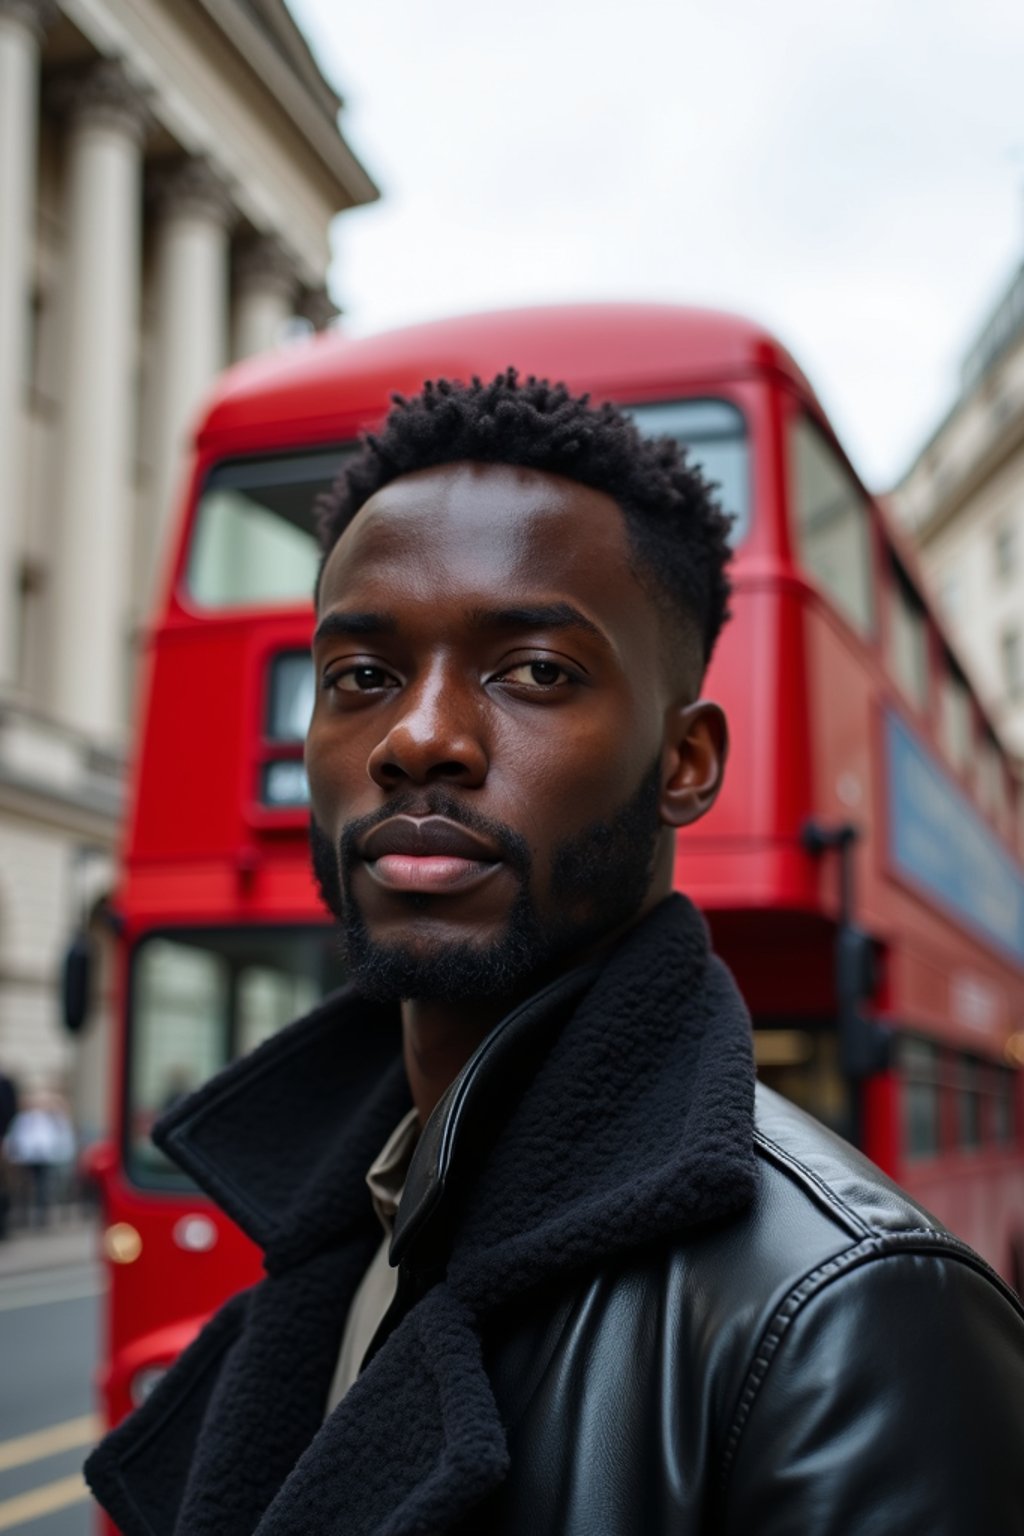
(488, 744)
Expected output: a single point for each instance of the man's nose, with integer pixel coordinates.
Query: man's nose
(437, 736)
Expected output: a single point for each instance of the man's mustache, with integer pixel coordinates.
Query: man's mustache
(435, 800)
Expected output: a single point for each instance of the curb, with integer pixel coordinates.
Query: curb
(59, 1247)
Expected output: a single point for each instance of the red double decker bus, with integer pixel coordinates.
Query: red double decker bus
(861, 872)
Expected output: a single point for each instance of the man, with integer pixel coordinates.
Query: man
(620, 1291)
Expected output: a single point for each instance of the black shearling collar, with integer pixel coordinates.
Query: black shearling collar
(639, 1068)
(610, 1111)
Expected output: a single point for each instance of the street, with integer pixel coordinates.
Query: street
(49, 1328)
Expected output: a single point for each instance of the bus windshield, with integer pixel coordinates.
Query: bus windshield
(254, 539)
(201, 998)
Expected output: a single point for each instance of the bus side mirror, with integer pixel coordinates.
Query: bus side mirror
(76, 982)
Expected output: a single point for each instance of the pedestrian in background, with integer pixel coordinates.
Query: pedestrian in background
(8, 1110)
(41, 1142)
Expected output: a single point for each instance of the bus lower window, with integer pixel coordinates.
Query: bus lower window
(200, 999)
(1004, 1119)
(803, 1065)
(919, 1064)
(968, 1100)
(832, 528)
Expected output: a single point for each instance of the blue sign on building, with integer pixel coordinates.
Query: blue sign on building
(940, 843)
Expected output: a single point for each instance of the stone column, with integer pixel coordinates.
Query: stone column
(265, 286)
(22, 23)
(194, 215)
(95, 496)
(317, 306)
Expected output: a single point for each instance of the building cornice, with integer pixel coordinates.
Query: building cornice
(55, 776)
(311, 118)
(92, 817)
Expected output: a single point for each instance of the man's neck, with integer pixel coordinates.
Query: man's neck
(439, 1038)
(437, 1041)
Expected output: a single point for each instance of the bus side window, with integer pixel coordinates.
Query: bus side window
(908, 640)
(1004, 1117)
(179, 1037)
(968, 1100)
(956, 721)
(832, 525)
(992, 789)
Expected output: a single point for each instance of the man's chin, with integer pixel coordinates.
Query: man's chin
(438, 969)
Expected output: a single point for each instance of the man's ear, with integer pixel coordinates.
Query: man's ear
(694, 754)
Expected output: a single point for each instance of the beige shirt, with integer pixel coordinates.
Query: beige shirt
(386, 1181)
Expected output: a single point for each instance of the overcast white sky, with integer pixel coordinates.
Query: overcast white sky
(851, 174)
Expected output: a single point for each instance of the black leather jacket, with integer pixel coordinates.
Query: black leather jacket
(830, 1362)
(635, 1299)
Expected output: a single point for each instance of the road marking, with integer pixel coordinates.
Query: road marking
(42, 1501)
(84, 1270)
(16, 1294)
(47, 1442)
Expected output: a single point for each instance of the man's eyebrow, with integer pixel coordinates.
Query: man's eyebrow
(535, 616)
(343, 624)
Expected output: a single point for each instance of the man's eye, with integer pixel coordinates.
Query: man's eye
(365, 679)
(537, 674)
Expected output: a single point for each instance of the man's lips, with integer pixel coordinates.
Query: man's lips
(427, 854)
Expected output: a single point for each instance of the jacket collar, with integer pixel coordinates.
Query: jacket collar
(637, 1070)
(612, 1110)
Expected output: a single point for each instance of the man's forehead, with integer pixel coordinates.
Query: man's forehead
(486, 523)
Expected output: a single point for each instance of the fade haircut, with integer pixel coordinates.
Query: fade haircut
(678, 533)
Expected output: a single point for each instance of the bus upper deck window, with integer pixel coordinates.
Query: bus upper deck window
(290, 700)
(908, 640)
(991, 789)
(714, 433)
(254, 539)
(832, 525)
(955, 718)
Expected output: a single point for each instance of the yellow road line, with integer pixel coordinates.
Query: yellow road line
(42, 1501)
(47, 1442)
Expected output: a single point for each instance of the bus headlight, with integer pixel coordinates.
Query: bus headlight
(143, 1382)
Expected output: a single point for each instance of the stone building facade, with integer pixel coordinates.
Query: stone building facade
(963, 502)
(169, 170)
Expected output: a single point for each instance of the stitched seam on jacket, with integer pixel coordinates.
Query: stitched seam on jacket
(232, 1192)
(920, 1240)
(827, 1196)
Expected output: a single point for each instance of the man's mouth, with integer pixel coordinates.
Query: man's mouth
(427, 855)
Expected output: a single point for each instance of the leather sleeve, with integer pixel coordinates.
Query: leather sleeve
(890, 1403)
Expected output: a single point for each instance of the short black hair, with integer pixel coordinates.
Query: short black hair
(678, 533)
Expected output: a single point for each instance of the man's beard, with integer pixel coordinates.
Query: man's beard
(599, 879)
